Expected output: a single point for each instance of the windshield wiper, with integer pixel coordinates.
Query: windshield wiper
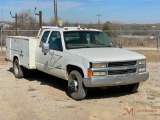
(78, 46)
(103, 45)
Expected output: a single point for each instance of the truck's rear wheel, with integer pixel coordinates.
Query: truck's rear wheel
(18, 70)
(76, 88)
(130, 88)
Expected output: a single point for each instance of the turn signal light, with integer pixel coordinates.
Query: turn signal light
(90, 73)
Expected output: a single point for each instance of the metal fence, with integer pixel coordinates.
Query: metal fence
(135, 38)
(5, 33)
(121, 38)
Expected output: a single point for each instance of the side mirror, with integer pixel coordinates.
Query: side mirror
(45, 48)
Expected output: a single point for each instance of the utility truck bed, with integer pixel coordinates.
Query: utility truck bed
(23, 48)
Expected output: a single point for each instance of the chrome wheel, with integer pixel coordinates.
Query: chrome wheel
(73, 86)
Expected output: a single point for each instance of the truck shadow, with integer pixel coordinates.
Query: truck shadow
(112, 92)
(62, 85)
(46, 79)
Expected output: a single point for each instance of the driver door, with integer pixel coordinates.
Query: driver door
(55, 56)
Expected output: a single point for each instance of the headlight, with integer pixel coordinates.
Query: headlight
(142, 69)
(142, 62)
(99, 73)
(98, 65)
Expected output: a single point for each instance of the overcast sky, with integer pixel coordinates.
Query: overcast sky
(85, 11)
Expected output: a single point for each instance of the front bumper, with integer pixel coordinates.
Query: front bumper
(115, 80)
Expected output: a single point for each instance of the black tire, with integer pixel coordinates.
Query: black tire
(76, 88)
(130, 88)
(19, 71)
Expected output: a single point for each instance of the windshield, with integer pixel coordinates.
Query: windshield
(86, 39)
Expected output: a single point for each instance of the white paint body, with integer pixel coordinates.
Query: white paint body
(30, 55)
(22, 47)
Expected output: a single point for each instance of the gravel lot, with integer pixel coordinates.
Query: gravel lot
(44, 97)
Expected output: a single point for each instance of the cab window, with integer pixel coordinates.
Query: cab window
(55, 42)
(44, 37)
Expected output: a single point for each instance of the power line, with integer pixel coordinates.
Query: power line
(141, 5)
(127, 10)
(137, 5)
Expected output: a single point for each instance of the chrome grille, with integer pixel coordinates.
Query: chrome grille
(117, 64)
(119, 72)
(122, 64)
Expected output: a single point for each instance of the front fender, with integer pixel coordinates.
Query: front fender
(78, 62)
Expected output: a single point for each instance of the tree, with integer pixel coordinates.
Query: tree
(27, 21)
(107, 28)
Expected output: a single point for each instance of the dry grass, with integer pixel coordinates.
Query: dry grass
(152, 56)
(2, 58)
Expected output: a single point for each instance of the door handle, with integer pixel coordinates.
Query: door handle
(21, 54)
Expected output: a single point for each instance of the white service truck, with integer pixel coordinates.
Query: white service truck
(85, 57)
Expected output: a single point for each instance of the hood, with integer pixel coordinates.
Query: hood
(107, 54)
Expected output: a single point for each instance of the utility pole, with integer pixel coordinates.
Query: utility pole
(55, 13)
(67, 22)
(15, 21)
(2, 15)
(158, 41)
(99, 20)
(1, 32)
(120, 38)
(1, 37)
(40, 17)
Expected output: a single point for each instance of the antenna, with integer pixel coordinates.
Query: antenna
(15, 20)
(40, 17)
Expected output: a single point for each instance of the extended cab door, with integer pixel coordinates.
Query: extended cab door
(51, 62)
(41, 61)
(55, 56)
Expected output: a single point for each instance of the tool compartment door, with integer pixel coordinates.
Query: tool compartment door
(24, 55)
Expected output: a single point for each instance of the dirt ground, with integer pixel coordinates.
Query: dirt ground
(43, 97)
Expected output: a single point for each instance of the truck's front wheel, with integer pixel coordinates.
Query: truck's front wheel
(18, 70)
(76, 88)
